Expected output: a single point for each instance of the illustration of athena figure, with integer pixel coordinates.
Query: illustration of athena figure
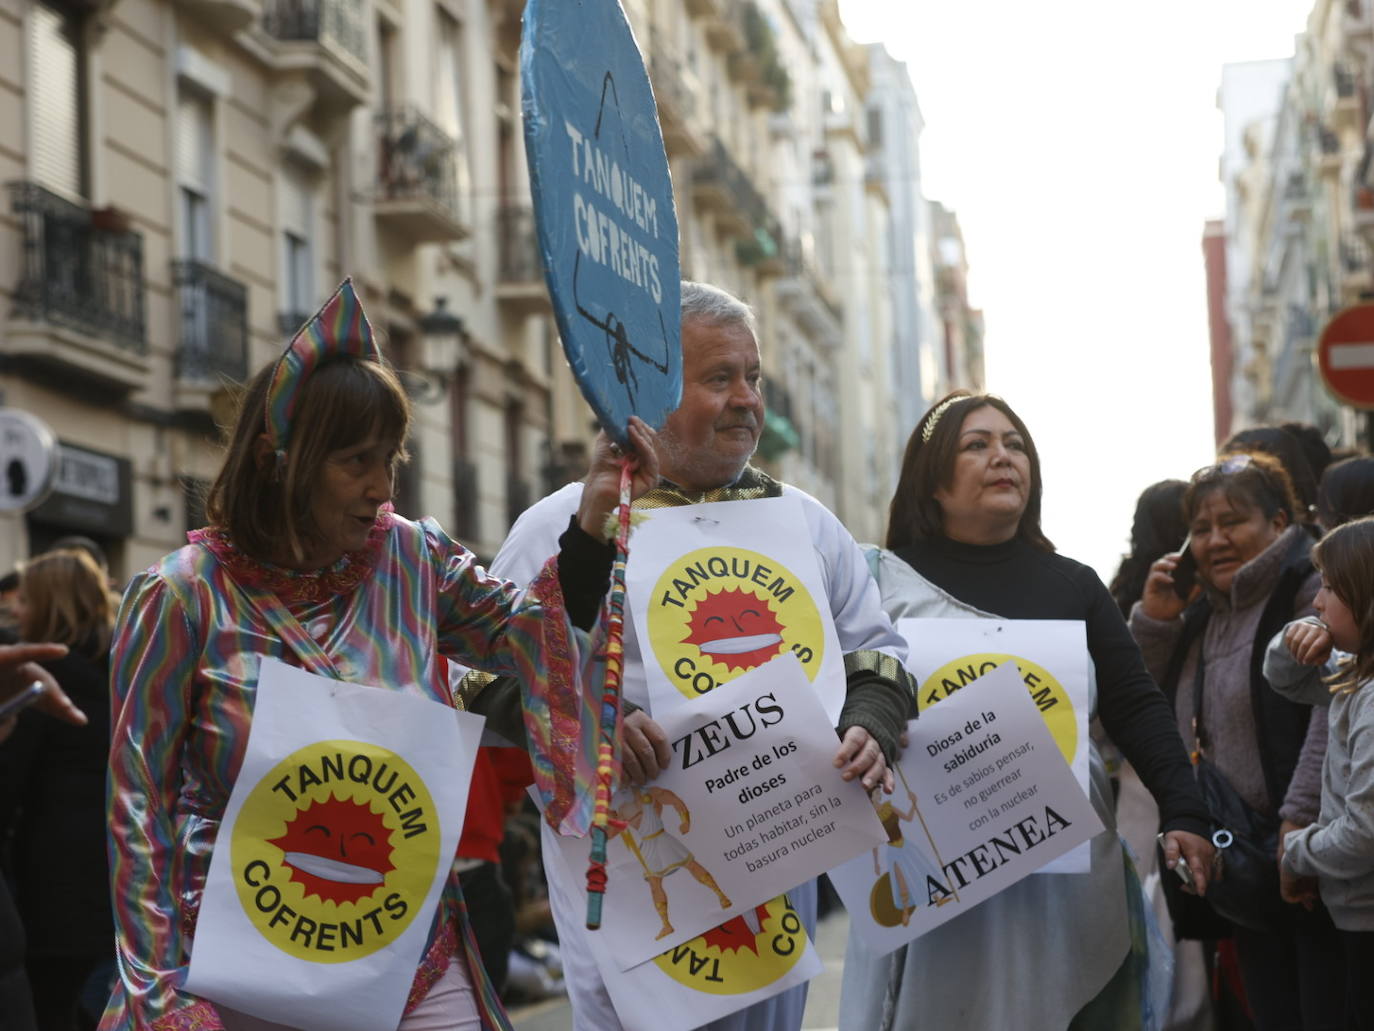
(910, 870)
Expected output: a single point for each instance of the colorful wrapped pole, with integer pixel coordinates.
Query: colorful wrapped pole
(610, 706)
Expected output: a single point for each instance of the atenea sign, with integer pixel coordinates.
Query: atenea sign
(947, 656)
(957, 833)
(603, 205)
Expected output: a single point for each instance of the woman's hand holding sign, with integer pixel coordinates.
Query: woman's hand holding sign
(860, 756)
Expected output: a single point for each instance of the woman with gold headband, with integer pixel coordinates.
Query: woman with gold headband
(1052, 951)
(301, 524)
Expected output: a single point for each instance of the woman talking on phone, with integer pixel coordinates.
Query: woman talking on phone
(1202, 623)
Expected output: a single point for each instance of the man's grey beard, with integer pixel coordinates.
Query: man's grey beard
(675, 457)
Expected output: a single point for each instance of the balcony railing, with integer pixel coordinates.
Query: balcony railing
(338, 22)
(76, 274)
(777, 398)
(799, 266)
(719, 174)
(416, 159)
(517, 250)
(417, 182)
(1344, 80)
(1354, 254)
(214, 324)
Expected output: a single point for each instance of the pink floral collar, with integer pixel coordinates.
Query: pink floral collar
(291, 585)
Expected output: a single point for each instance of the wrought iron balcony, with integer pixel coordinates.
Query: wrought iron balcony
(780, 433)
(417, 183)
(76, 274)
(339, 23)
(325, 41)
(214, 324)
(519, 271)
(1354, 255)
(721, 185)
(808, 295)
(1343, 79)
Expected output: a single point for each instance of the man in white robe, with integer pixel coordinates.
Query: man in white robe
(704, 451)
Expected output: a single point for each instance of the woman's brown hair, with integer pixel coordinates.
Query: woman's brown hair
(265, 509)
(1345, 557)
(1249, 480)
(67, 600)
(928, 465)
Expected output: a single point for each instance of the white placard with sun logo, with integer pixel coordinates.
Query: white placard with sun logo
(946, 655)
(750, 805)
(333, 852)
(719, 589)
(754, 956)
(957, 833)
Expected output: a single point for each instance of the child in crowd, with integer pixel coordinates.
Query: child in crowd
(1329, 660)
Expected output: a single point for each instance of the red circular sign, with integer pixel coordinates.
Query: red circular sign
(1345, 355)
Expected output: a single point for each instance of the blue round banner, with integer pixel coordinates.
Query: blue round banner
(603, 205)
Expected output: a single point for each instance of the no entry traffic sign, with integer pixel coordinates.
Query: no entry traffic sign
(1345, 355)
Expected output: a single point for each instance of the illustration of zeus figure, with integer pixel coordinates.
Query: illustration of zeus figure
(658, 852)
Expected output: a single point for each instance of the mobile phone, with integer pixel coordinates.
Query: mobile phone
(22, 700)
(1185, 573)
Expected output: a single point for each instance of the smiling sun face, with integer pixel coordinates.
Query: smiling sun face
(337, 849)
(736, 629)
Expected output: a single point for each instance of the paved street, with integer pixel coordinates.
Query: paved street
(822, 1002)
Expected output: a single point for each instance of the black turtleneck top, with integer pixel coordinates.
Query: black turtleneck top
(1015, 580)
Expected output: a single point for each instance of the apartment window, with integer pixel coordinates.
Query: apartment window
(195, 173)
(386, 63)
(875, 126)
(298, 247)
(449, 103)
(57, 77)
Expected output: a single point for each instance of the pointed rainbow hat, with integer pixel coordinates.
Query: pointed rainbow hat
(338, 329)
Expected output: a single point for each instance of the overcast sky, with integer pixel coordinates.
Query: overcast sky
(1078, 141)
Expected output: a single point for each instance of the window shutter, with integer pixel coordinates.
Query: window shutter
(194, 141)
(296, 202)
(55, 75)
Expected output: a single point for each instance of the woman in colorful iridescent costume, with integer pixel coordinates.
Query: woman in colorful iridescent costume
(301, 509)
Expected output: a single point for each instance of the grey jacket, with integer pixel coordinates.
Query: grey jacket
(1339, 848)
(1226, 647)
